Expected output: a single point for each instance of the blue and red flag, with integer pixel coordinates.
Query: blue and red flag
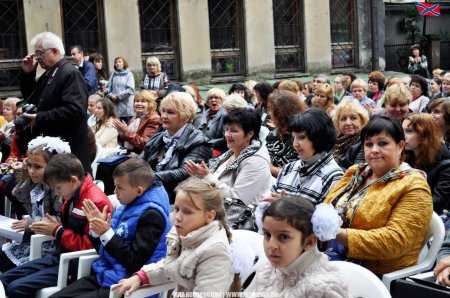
(428, 9)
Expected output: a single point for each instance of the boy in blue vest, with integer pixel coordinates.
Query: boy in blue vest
(136, 234)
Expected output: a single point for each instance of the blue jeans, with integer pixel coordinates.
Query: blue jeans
(24, 281)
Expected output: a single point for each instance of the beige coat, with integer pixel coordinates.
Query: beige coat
(200, 262)
(310, 276)
(107, 136)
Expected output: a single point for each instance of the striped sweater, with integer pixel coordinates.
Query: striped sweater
(311, 181)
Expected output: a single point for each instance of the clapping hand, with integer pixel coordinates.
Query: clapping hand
(46, 226)
(200, 170)
(99, 222)
(121, 126)
(20, 225)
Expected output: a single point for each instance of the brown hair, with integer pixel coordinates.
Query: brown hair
(430, 139)
(211, 196)
(125, 63)
(137, 171)
(284, 104)
(289, 85)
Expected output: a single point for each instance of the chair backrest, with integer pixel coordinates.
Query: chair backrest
(253, 242)
(361, 282)
(436, 235)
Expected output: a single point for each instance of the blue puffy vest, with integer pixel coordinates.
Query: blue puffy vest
(124, 221)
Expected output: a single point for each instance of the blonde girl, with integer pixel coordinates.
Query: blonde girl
(198, 258)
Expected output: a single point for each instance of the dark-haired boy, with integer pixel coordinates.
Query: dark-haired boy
(136, 235)
(65, 175)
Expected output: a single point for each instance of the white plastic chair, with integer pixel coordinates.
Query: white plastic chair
(427, 257)
(2, 291)
(63, 272)
(361, 282)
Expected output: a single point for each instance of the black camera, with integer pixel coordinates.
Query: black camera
(21, 122)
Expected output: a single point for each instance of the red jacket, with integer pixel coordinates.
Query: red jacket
(73, 235)
(148, 126)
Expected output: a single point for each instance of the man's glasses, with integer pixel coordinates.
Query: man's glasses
(40, 53)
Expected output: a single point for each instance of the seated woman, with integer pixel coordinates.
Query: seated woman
(281, 106)
(376, 84)
(242, 172)
(440, 110)
(425, 150)
(143, 125)
(396, 101)
(168, 151)
(105, 132)
(419, 91)
(211, 123)
(349, 118)
(315, 171)
(385, 204)
(323, 99)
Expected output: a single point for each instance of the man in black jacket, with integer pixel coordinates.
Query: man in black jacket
(60, 95)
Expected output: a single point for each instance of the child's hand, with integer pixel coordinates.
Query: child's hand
(91, 211)
(20, 225)
(46, 226)
(127, 286)
(199, 170)
(99, 226)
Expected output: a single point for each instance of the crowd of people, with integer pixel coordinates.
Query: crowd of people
(374, 154)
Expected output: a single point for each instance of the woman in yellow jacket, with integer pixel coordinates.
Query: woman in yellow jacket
(385, 204)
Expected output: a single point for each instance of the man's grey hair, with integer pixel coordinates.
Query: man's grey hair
(48, 40)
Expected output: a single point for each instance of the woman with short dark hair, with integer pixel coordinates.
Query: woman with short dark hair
(418, 64)
(385, 204)
(419, 91)
(281, 106)
(242, 172)
(315, 171)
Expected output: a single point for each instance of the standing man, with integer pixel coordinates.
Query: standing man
(87, 68)
(60, 95)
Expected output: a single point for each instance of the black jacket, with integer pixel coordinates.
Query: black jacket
(60, 95)
(133, 255)
(438, 177)
(192, 145)
(214, 128)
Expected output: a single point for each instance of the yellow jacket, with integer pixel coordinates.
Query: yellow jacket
(390, 225)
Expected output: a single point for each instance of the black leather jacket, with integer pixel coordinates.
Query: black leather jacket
(192, 145)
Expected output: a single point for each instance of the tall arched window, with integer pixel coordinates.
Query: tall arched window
(159, 30)
(344, 45)
(289, 35)
(12, 43)
(226, 29)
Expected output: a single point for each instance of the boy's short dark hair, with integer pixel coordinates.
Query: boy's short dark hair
(62, 167)
(137, 170)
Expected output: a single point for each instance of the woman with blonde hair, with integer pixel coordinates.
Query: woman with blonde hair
(211, 122)
(349, 119)
(143, 125)
(154, 78)
(168, 151)
(426, 151)
(323, 99)
(396, 101)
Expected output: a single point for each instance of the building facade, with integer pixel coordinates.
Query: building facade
(203, 40)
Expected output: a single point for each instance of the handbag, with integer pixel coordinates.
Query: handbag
(240, 216)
